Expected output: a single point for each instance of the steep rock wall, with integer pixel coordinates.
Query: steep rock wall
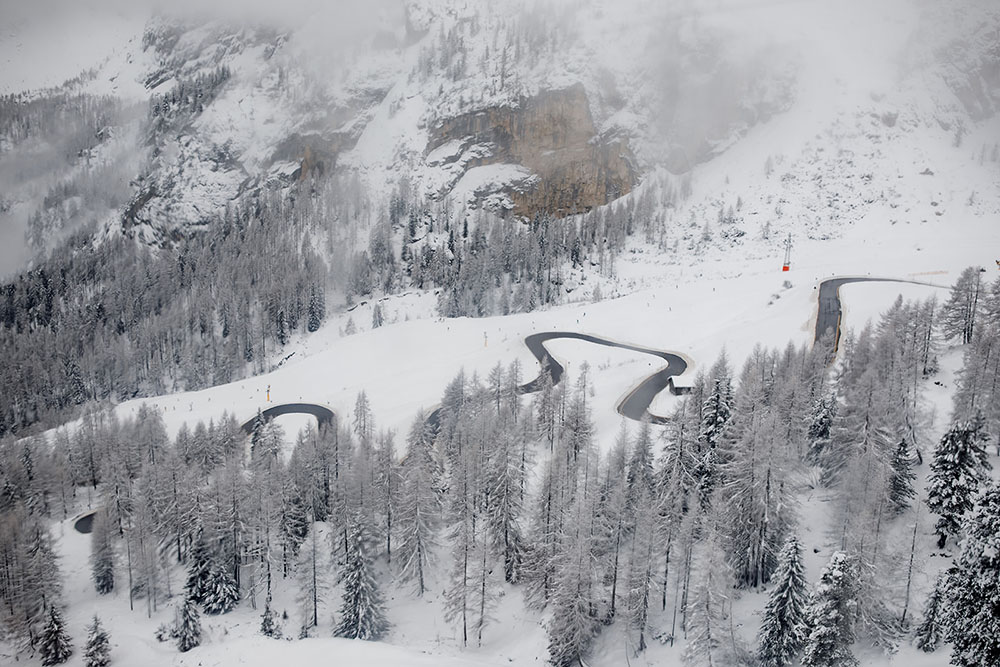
(553, 135)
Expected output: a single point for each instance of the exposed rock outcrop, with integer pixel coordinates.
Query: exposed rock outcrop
(316, 155)
(553, 135)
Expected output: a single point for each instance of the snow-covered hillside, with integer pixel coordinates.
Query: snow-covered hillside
(867, 135)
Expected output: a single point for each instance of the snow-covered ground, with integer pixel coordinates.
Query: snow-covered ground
(860, 197)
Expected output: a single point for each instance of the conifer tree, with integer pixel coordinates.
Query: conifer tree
(268, 621)
(971, 621)
(362, 615)
(783, 628)
(312, 572)
(188, 626)
(708, 608)
(716, 411)
(959, 314)
(929, 631)
(831, 616)
(221, 592)
(54, 644)
(820, 425)
(958, 469)
(102, 562)
(98, 651)
(199, 567)
(901, 489)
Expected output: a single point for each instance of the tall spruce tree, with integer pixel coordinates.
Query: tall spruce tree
(269, 626)
(221, 593)
(102, 560)
(959, 314)
(820, 426)
(929, 631)
(54, 644)
(98, 651)
(188, 625)
(783, 628)
(831, 616)
(362, 615)
(199, 566)
(957, 471)
(971, 615)
(901, 490)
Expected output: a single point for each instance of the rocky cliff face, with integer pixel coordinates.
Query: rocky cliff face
(551, 134)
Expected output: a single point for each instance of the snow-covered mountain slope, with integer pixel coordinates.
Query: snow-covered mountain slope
(867, 133)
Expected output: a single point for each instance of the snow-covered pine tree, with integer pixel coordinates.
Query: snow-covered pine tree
(929, 631)
(458, 603)
(269, 626)
(504, 480)
(717, 411)
(98, 651)
(102, 555)
(188, 625)
(419, 506)
(54, 644)
(978, 382)
(958, 469)
(315, 308)
(573, 625)
(901, 490)
(639, 478)
(612, 537)
(756, 508)
(199, 565)
(362, 615)
(641, 578)
(972, 588)
(831, 616)
(783, 627)
(312, 572)
(820, 424)
(708, 609)
(958, 315)
(221, 592)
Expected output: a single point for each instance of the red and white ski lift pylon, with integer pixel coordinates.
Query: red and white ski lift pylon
(788, 254)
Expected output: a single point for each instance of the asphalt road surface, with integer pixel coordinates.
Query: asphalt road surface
(829, 313)
(85, 524)
(324, 415)
(636, 404)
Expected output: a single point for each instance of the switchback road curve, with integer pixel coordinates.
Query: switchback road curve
(830, 311)
(635, 405)
(324, 415)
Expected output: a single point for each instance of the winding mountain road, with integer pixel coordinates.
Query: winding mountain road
(635, 404)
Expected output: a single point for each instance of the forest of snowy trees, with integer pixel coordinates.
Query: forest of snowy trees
(659, 531)
(126, 320)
